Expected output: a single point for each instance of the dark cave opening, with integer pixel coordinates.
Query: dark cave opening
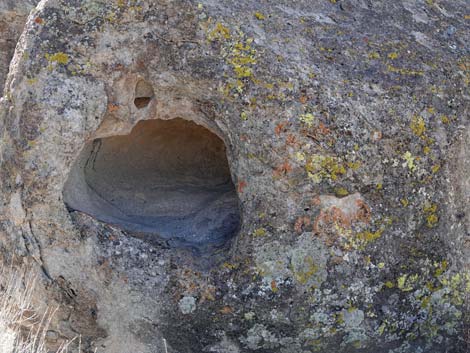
(168, 178)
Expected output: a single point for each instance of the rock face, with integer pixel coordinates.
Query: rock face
(345, 128)
(13, 14)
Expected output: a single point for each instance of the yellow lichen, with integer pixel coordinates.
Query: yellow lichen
(430, 210)
(300, 156)
(307, 119)
(60, 58)
(432, 220)
(260, 232)
(425, 302)
(220, 32)
(374, 55)
(230, 266)
(381, 328)
(259, 16)
(440, 267)
(340, 192)
(239, 55)
(242, 71)
(435, 168)
(303, 276)
(445, 119)
(354, 165)
(418, 125)
(274, 286)
(321, 167)
(368, 236)
(406, 282)
(359, 241)
(404, 71)
(409, 161)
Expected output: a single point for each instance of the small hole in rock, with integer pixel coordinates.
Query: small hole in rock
(143, 94)
(142, 102)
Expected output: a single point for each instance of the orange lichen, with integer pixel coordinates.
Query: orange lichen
(342, 212)
(241, 186)
(301, 223)
(283, 169)
(280, 128)
(291, 140)
(338, 216)
(226, 310)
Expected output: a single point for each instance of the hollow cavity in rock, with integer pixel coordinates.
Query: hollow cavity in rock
(167, 177)
(143, 94)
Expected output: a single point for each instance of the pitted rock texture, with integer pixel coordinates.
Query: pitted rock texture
(345, 126)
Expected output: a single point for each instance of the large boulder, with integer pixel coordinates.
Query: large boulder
(345, 130)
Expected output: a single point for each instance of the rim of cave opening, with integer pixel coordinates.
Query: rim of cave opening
(167, 178)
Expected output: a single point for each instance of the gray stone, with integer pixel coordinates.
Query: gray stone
(187, 305)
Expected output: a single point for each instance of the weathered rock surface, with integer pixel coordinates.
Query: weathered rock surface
(346, 130)
(13, 14)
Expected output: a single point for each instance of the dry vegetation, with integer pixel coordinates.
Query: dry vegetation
(22, 330)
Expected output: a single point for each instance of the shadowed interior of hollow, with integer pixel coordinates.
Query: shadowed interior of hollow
(167, 177)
